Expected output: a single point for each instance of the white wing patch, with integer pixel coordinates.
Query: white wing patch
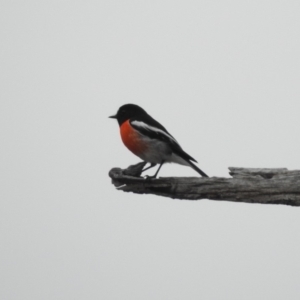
(153, 129)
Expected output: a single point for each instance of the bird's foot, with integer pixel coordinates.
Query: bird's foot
(148, 177)
(135, 170)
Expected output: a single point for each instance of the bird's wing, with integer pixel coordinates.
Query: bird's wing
(160, 133)
(153, 132)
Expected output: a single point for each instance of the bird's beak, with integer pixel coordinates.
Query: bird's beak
(113, 117)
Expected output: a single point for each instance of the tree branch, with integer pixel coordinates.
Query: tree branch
(266, 186)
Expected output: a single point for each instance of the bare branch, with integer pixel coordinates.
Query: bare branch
(266, 186)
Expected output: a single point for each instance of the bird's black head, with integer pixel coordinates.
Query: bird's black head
(128, 111)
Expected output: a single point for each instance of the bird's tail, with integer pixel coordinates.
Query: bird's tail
(197, 169)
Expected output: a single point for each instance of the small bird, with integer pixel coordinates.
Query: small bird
(149, 140)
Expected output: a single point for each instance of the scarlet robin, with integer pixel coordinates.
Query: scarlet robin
(149, 140)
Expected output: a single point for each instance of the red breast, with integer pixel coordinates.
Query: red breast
(132, 139)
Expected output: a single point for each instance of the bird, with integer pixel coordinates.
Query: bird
(149, 140)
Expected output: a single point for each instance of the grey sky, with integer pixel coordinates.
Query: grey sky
(223, 77)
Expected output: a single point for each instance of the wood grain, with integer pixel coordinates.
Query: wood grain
(265, 186)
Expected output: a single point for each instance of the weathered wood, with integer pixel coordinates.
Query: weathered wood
(266, 186)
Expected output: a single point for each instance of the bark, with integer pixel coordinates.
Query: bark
(266, 186)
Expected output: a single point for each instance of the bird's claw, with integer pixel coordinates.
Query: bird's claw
(148, 177)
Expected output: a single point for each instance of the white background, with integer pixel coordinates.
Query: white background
(223, 77)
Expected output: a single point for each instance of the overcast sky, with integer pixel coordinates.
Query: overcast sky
(223, 78)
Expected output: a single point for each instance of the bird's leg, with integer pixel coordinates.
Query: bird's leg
(154, 176)
(151, 166)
